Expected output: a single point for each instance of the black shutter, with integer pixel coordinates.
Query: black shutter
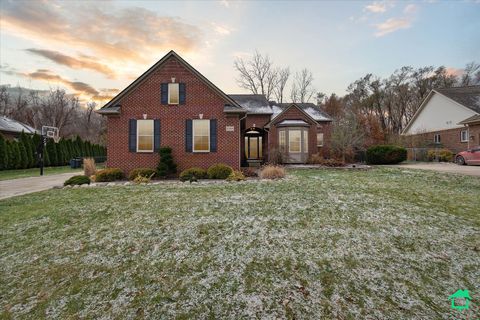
(182, 93)
(188, 135)
(164, 93)
(156, 135)
(132, 135)
(213, 135)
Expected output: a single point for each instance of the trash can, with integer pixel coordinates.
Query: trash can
(78, 162)
(73, 163)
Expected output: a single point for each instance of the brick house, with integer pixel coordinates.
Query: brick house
(447, 118)
(172, 104)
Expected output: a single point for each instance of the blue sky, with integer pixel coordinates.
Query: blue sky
(96, 48)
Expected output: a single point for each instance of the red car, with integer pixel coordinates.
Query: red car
(471, 156)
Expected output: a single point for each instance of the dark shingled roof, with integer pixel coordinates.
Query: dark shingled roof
(253, 103)
(466, 96)
(312, 109)
(10, 125)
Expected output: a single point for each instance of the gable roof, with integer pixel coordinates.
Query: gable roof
(10, 125)
(471, 120)
(231, 105)
(290, 105)
(258, 104)
(468, 97)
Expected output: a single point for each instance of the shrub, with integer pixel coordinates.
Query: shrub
(143, 179)
(193, 174)
(89, 167)
(236, 176)
(249, 172)
(219, 171)
(110, 174)
(166, 165)
(77, 180)
(386, 154)
(318, 159)
(144, 172)
(442, 155)
(272, 172)
(275, 156)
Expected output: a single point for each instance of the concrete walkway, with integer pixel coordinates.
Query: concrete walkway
(16, 187)
(442, 167)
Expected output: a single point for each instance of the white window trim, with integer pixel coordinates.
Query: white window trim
(461, 136)
(193, 136)
(290, 142)
(305, 141)
(435, 138)
(168, 89)
(153, 136)
(320, 145)
(282, 147)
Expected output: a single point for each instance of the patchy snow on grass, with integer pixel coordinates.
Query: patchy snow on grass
(319, 244)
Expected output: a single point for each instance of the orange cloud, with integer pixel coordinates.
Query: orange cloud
(77, 86)
(74, 63)
(133, 34)
(392, 25)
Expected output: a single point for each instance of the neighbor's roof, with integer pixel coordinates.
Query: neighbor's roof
(10, 125)
(311, 109)
(466, 96)
(230, 106)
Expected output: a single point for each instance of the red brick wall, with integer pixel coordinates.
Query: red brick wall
(326, 129)
(450, 139)
(145, 99)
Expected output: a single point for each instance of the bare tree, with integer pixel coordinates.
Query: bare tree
(258, 75)
(57, 109)
(347, 136)
(471, 75)
(283, 76)
(302, 88)
(4, 100)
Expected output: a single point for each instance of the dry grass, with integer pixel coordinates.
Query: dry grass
(272, 172)
(89, 167)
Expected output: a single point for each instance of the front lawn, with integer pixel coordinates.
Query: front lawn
(383, 244)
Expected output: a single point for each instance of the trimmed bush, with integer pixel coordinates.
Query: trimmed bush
(143, 172)
(193, 173)
(110, 174)
(386, 154)
(442, 155)
(236, 176)
(272, 172)
(219, 171)
(166, 165)
(319, 159)
(77, 180)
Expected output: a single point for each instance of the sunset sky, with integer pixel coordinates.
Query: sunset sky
(94, 49)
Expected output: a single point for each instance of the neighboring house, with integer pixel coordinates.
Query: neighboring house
(173, 105)
(11, 129)
(448, 118)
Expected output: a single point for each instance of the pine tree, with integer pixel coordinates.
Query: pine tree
(3, 153)
(36, 144)
(166, 165)
(10, 162)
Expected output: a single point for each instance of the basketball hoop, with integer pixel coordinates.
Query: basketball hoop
(51, 132)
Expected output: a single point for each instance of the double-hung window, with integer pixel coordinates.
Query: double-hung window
(201, 135)
(173, 93)
(464, 136)
(294, 141)
(319, 139)
(436, 138)
(144, 135)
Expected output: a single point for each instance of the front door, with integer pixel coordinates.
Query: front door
(253, 147)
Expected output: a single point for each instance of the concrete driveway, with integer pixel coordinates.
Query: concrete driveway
(16, 187)
(442, 167)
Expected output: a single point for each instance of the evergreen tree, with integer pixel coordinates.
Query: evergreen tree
(3, 153)
(24, 141)
(52, 153)
(16, 156)
(23, 159)
(166, 165)
(10, 161)
(36, 144)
